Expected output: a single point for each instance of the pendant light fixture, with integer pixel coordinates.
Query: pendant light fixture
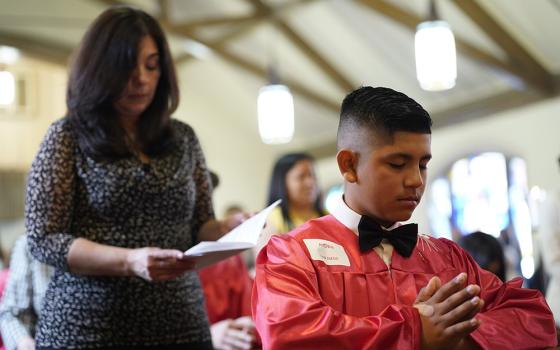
(436, 61)
(275, 109)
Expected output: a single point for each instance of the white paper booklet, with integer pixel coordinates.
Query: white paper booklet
(242, 237)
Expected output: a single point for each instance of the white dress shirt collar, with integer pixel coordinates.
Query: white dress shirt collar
(349, 218)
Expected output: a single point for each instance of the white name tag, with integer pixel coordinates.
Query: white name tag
(326, 251)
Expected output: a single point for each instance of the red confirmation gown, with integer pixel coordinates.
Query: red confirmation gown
(227, 289)
(315, 290)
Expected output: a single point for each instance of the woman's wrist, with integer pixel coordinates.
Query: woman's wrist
(90, 258)
(128, 263)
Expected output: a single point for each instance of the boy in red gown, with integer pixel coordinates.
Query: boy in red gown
(359, 279)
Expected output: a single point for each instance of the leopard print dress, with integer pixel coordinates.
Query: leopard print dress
(125, 204)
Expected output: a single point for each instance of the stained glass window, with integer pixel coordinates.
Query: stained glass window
(486, 192)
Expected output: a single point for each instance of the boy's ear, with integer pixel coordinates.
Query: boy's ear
(348, 164)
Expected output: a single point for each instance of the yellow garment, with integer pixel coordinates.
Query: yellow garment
(281, 226)
(275, 225)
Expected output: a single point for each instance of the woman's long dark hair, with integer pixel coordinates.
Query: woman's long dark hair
(278, 190)
(100, 72)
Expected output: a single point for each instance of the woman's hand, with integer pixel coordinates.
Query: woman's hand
(155, 264)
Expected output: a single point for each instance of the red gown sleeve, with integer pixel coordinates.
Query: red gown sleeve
(290, 314)
(513, 317)
(227, 289)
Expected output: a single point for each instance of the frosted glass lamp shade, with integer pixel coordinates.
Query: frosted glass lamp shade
(436, 61)
(275, 108)
(7, 88)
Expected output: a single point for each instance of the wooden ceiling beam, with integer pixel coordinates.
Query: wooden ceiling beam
(239, 30)
(296, 87)
(486, 106)
(334, 74)
(258, 71)
(212, 21)
(236, 32)
(254, 69)
(38, 48)
(114, 2)
(165, 9)
(13, 20)
(337, 77)
(262, 73)
(251, 19)
(411, 20)
(516, 52)
(192, 25)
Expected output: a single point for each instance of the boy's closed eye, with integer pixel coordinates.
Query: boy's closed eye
(397, 165)
(402, 165)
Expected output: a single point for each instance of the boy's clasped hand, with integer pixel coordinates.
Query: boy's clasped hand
(448, 312)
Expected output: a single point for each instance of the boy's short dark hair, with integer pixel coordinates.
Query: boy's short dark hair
(383, 111)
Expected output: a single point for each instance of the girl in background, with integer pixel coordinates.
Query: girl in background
(294, 182)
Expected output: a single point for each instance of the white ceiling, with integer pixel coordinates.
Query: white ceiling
(323, 49)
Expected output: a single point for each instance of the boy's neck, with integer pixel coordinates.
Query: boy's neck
(359, 211)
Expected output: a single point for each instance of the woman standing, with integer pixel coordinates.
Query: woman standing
(117, 191)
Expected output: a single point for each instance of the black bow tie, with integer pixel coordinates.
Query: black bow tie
(403, 238)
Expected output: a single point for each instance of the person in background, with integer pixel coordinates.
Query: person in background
(227, 293)
(511, 253)
(233, 209)
(550, 247)
(487, 251)
(23, 296)
(360, 279)
(293, 181)
(117, 192)
(247, 255)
